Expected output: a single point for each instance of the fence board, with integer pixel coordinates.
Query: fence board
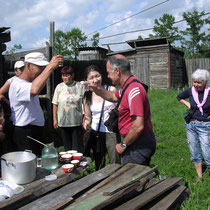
(193, 64)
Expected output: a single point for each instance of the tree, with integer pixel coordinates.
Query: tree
(196, 43)
(95, 40)
(67, 43)
(140, 37)
(164, 28)
(61, 44)
(14, 49)
(75, 38)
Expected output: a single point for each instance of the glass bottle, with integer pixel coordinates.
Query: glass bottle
(49, 157)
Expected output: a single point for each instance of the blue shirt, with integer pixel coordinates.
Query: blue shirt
(206, 107)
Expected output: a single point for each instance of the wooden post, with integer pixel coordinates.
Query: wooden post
(52, 31)
(50, 81)
(48, 94)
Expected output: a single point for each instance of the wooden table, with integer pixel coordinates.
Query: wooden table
(40, 186)
(114, 187)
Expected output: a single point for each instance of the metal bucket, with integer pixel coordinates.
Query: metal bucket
(18, 167)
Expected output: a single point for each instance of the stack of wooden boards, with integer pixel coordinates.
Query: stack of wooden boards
(115, 187)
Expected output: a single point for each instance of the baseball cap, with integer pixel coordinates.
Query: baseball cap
(36, 58)
(19, 64)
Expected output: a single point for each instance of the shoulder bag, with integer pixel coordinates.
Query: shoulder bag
(112, 122)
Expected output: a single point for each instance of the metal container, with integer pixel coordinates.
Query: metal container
(18, 167)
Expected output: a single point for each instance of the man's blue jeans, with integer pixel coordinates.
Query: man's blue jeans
(198, 139)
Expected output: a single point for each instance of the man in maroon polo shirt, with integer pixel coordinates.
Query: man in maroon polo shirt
(138, 144)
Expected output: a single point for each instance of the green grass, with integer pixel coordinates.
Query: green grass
(172, 154)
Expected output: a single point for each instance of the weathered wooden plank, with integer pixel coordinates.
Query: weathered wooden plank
(162, 58)
(127, 183)
(170, 199)
(158, 72)
(43, 187)
(120, 177)
(17, 198)
(124, 193)
(142, 71)
(193, 64)
(98, 200)
(150, 194)
(61, 204)
(62, 196)
(122, 174)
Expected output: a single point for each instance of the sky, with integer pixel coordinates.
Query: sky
(29, 20)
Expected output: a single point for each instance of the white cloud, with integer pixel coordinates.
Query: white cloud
(40, 43)
(30, 19)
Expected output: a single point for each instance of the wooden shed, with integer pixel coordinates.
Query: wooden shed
(92, 53)
(156, 63)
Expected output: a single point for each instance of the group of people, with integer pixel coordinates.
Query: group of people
(76, 108)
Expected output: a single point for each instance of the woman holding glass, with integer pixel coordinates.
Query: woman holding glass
(96, 113)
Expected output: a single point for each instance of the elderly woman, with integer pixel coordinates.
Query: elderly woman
(67, 110)
(198, 126)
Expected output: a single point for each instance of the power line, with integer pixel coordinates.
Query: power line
(147, 29)
(128, 17)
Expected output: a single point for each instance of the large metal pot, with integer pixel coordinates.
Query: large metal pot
(18, 167)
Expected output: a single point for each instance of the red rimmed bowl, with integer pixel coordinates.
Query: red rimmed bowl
(71, 152)
(67, 168)
(61, 153)
(66, 158)
(78, 156)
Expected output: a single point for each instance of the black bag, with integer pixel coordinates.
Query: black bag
(91, 132)
(112, 122)
(189, 114)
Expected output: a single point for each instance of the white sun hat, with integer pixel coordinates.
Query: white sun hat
(36, 58)
(19, 64)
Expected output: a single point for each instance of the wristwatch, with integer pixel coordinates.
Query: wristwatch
(123, 145)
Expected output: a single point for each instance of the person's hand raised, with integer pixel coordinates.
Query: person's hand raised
(56, 61)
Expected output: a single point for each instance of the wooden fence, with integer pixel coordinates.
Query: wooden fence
(193, 64)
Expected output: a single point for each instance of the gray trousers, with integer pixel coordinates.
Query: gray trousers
(111, 140)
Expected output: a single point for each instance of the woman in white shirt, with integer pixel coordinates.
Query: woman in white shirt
(100, 139)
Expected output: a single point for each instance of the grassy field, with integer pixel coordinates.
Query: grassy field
(172, 155)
